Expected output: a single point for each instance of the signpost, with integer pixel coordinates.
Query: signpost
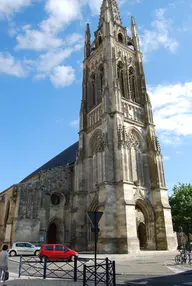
(94, 218)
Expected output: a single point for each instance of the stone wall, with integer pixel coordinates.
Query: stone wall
(36, 209)
(8, 207)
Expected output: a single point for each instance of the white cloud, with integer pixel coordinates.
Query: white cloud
(166, 158)
(172, 105)
(46, 65)
(8, 7)
(75, 123)
(39, 76)
(9, 65)
(61, 13)
(179, 152)
(37, 40)
(48, 61)
(159, 36)
(62, 76)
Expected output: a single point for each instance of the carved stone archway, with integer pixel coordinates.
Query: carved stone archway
(141, 228)
(145, 222)
(55, 231)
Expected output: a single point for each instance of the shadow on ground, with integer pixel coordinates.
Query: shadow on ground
(181, 279)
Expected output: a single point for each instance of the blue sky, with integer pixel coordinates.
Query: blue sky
(41, 53)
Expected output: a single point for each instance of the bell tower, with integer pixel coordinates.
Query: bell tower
(119, 165)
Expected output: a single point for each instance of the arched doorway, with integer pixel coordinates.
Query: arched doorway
(52, 233)
(55, 231)
(145, 222)
(141, 228)
(142, 236)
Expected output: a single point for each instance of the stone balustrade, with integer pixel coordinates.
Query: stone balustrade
(132, 111)
(95, 116)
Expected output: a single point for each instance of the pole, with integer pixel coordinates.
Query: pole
(96, 230)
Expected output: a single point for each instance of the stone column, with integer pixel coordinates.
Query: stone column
(165, 237)
(107, 242)
(126, 219)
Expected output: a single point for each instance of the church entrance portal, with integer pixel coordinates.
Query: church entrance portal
(52, 233)
(141, 233)
(55, 232)
(141, 228)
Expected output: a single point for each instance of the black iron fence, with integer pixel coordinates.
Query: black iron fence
(102, 273)
(79, 269)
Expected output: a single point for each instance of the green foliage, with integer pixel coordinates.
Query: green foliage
(181, 206)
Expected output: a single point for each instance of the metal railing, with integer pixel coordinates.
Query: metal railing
(79, 269)
(101, 273)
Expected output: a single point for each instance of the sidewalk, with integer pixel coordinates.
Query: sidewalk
(41, 282)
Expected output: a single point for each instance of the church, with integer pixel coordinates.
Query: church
(116, 167)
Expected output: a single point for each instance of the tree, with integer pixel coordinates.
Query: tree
(181, 207)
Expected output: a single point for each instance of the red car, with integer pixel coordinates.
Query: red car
(56, 252)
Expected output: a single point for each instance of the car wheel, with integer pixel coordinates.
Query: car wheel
(36, 253)
(13, 253)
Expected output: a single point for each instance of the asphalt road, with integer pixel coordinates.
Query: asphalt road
(170, 280)
(142, 274)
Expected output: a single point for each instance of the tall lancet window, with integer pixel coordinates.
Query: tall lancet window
(120, 73)
(100, 83)
(93, 89)
(132, 83)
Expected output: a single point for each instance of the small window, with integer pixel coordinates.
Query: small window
(100, 40)
(58, 248)
(20, 244)
(55, 199)
(120, 38)
(49, 247)
(28, 245)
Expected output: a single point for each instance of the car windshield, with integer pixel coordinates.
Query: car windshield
(66, 248)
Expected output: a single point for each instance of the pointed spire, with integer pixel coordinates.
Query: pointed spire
(87, 47)
(109, 12)
(87, 34)
(134, 34)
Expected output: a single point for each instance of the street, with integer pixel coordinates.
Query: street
(170, 280)
(149, 270)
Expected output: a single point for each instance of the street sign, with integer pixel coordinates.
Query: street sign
(94, 217)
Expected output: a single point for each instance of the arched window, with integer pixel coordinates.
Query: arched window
(93, 89)
(120, 73)
(101, 77)
(100, 40)
(132, 84)
(120, 38)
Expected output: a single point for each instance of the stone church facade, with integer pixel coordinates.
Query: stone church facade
(116, 166)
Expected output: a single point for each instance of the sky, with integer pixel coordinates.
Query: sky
(41, 54)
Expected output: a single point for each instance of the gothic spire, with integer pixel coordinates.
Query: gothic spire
(135, 34)
(109, 12)
(87, 42)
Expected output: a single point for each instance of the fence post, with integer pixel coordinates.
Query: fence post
(45, 268)
(75, 268)
(114, 274)
(20, 266)
(107, 271)
(84, 275)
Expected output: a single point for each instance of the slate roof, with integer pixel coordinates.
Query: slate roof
(68, 156)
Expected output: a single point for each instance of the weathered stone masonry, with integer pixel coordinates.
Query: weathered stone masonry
(116, 167)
